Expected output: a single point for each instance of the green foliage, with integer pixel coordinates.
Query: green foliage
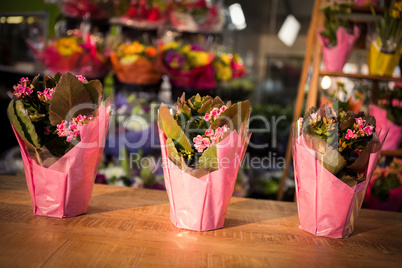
(335, 17)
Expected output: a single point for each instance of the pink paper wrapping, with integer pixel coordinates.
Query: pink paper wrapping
(335, 57)
(326, 205)
(64, 189)
(394, 135)
(200, 204)
(394, 202)
(198, 78)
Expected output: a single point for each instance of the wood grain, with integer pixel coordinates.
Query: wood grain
(127, 227)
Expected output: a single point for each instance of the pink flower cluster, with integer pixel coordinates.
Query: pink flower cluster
(80, 78)
(361, 129)
(215, 113)
(201, 143)
(394, 102)
(46, 95)
(23, 88)
(72, 130)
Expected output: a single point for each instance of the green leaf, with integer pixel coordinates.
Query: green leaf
(172, 152)
(22, 124)
(209, 159)
(171, 129)
(68, 94)
(95, 90)
(234, 116)
(57, 77)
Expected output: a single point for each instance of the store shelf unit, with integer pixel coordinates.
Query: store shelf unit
(313, 58)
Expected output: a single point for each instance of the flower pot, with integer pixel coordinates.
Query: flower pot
(326, 205)
(63, 189)
(381, 63)
(385, 127)
(336, 57)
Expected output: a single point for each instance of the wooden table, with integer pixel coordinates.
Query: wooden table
(131, 227)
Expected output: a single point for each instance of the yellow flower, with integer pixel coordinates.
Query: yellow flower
(223, 72)
(171, 45)
(186, 49)
(398, 6)
(198, 58)
(133, 48)
(237, 59)
(225, 58)
(67, 46)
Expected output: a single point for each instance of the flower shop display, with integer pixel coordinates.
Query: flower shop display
(133, 126)
(384, 52)
(334, 155)
(135, 63)
(336, 40)
(60, 124)
(78, 53)
(202, 146)
(338, 98)
(385, 189)
(145, 14)
(196, 16)
(189, 68)
(388, 113)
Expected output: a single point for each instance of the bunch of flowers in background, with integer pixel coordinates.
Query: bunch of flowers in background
(338, 98)
(391, 101)
(184, 57)
(389, 27)
(386, 179)
(335, 12)
(78, 52)
(84, 8)
(146, 13)
(135, 63)
(344, 140)
(39, 114)
(228, 66)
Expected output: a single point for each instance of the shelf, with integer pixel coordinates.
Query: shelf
(366, 9)
(395, 153)
(361, 76)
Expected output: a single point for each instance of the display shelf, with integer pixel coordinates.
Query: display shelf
(361, 76)
(366, 9)
(392, 153)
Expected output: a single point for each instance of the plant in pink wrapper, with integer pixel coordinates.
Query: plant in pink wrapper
(78, 53)
(60, 124)
(388, 113)
(334, 155)
(336, 38)
(203, 145)
(385, 189)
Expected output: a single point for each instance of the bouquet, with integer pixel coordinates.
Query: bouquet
(228, 66)
(189, 66)
(334, 99)
(336, 41)
(146, 14)
(334, 155)
(77, 53)
(94, 9)
(385, 189)
(388, 113)
(384, 53)
(196, 16)
(60, 124)
(135, 63)
(203, 145)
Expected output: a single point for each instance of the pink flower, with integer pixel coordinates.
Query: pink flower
(215, 113)
(368, 130)
(209, 132)
(360, 121)
(395, 102)
(198, 139)
(206, 142)
(315, 117)
(223, 108)
(198, 143)
(207, 117)
(24, 81)
(350, 134)
(80, 78)
(46, 95)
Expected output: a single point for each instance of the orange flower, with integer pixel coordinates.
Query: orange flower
(150, 52)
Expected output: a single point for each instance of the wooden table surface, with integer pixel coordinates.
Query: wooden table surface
(131, 227)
